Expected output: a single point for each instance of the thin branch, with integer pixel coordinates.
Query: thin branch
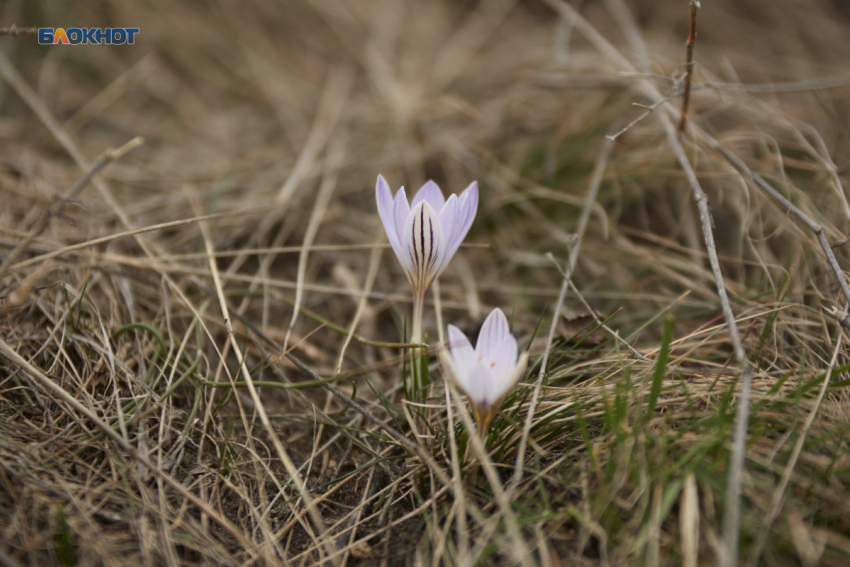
(599, 322)
(649, 110)
(593, 314)
(689, 64)
(815, 227)
(731, 520)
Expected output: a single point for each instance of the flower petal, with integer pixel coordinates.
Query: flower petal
(385, 211)
(448, 218)
(479, 387)
(503, 386)
(518, 373)
(423, 245)
(463, 355)
(503, 362)
(400, 212)
(431, 194)
(493, 331)
(466, 208)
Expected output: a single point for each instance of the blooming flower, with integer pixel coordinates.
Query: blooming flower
(427, 233)
(424, 235)
(489, 371)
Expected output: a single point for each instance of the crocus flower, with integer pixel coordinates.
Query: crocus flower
(489, 371)
(425, 234)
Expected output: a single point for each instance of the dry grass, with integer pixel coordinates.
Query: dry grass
(148, 414)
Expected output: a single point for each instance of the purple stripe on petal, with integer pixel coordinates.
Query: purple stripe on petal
(423, 241)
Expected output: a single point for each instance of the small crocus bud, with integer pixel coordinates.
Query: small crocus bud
(487, 373)
(425, 234)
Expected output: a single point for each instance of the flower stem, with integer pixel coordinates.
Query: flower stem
(418, 310)
(419, 364)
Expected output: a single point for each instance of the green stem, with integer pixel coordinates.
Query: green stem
(419, 360)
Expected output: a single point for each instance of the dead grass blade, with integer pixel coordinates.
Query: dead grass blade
(329, 111)
(55, 389)
(55, 208)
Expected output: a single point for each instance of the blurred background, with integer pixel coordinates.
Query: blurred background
(239, 102)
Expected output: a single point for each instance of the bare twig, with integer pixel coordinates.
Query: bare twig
(689, 64)
(649, 109)
(731, 520)
(759, 182)
(592, 312)
(599, 322)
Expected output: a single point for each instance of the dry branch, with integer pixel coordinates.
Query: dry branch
(689, 64)
(732, 508)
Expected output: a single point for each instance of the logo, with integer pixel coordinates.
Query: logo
(86, 36)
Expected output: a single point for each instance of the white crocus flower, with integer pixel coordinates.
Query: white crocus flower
(488, 372)
(425, 234)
